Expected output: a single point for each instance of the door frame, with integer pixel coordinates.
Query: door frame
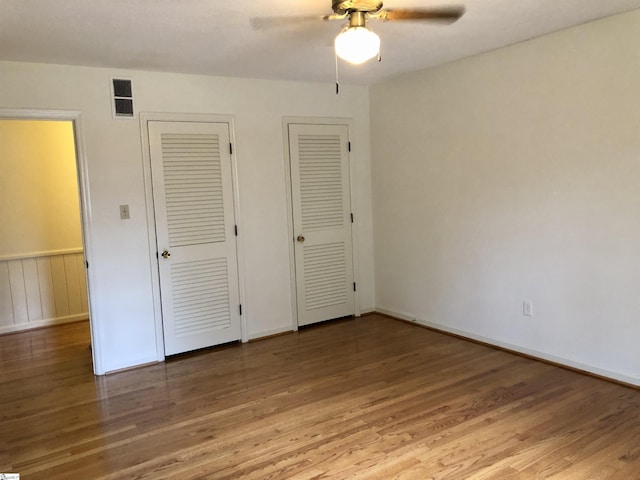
(286, 121)
(86, 222)
(146, 117)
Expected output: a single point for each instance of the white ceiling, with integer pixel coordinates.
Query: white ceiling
(215, 37)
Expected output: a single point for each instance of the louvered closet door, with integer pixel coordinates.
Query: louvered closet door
(193, 202)
(322, 221)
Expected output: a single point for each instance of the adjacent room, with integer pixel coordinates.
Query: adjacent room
(42, 258)
(230, 250)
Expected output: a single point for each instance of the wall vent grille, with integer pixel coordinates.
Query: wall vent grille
(122, 97)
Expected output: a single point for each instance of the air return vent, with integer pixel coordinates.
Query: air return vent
(122, 97)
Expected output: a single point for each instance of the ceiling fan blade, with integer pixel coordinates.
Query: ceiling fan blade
(442, 15)
(265, 23)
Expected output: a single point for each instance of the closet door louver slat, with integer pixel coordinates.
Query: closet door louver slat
(193, 189)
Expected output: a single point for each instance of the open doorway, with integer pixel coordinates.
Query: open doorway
(42, 262)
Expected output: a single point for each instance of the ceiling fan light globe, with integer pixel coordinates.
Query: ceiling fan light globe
(357, 45)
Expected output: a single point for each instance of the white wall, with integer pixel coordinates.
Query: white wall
(120, 268)
(516, 175)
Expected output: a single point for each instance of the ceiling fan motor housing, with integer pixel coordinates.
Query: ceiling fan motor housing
(343, 7)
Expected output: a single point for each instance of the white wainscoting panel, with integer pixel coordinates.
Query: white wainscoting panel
(42, 289)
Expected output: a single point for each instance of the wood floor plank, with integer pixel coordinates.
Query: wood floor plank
(367, 398)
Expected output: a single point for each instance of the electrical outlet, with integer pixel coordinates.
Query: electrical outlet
(124, 212)
(527, 308)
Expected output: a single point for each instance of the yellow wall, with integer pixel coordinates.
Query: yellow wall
(39, 205)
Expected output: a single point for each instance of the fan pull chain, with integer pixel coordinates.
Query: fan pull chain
(337, 81)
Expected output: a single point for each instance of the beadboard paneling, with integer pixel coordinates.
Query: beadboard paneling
(42, 289)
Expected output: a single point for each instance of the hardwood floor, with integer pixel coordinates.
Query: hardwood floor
(362, 398)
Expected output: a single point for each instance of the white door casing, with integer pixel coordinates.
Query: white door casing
(320, 194)
(85, 203)
(195, 230)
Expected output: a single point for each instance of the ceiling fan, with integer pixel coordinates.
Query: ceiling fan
(357, 43)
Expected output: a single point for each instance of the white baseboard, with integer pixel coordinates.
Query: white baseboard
(402, 316)
(269, 333)
(130, 365)
(48, 322)
(517, 348)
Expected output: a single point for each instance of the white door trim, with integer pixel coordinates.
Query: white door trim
(151, 221)
(85, 210)
(286, 121)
